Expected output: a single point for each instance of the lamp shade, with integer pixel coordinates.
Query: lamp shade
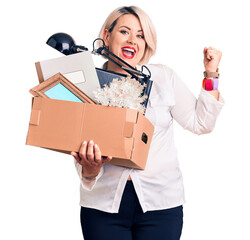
(64, 43)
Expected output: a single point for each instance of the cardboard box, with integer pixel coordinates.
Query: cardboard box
(124, 134)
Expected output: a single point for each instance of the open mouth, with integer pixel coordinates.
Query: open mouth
(128, 52)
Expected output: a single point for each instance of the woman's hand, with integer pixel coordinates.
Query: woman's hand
(89, 156)
(212, 59)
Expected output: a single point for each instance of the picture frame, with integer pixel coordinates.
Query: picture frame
(78, 68)
(60, 88)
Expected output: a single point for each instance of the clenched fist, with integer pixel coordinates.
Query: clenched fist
(212, 59)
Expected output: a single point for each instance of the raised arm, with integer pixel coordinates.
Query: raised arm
(198, 115)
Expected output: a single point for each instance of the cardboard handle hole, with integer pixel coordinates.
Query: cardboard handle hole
(144, 138)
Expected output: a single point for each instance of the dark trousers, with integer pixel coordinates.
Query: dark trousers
(131, 223)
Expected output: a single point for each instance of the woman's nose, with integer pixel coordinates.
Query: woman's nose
(132, 39)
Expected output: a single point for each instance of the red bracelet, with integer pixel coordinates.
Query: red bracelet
(203, 83)
(209, 85)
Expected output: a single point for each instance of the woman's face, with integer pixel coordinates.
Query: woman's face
(126, 39)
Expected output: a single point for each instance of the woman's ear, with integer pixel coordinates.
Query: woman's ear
(106, 36)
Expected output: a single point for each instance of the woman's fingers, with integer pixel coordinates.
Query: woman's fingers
(213, 51)
(106, 159)
(90, 155)
(76, 156)
(90, 151)
(98, 155)
(212, 58)
(82, 151)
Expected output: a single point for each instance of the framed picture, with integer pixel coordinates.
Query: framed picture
(78, 68)
(60, 88)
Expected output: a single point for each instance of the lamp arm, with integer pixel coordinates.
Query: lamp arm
(131, 70)
(78, 48)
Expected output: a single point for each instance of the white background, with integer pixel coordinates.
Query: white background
(40, 189)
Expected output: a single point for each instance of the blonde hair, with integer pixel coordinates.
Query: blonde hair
(147, 27)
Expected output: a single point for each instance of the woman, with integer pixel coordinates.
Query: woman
(123, 203)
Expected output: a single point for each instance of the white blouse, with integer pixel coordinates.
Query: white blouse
(160, 185)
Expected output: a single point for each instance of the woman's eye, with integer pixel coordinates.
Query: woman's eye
(124, 32)
(140, 36)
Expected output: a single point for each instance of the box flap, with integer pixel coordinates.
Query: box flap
(128, 129)
(35, 117)
(131, 115)
(59, 124)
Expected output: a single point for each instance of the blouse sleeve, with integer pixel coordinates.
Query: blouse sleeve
(86, 183)
(196, 115)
